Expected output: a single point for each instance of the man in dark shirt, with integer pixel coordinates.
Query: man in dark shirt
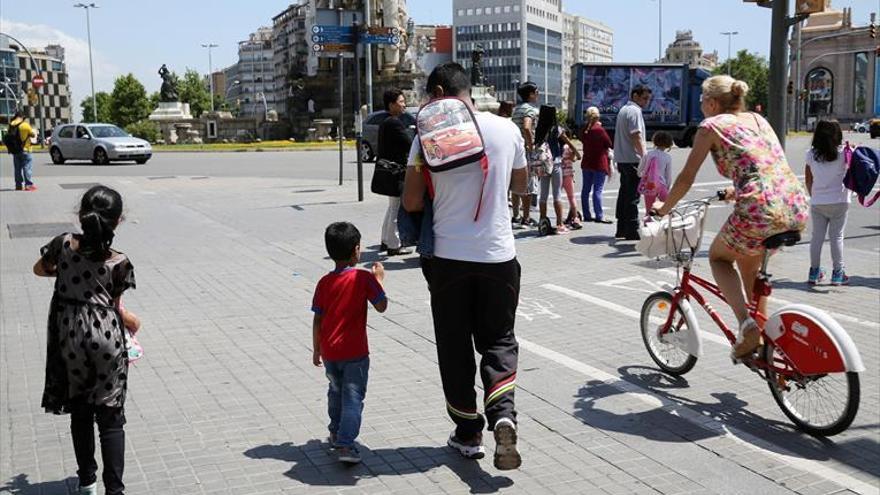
(394, 144)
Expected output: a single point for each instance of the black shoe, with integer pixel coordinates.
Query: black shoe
(383, 247)
(602, 220)
(399, 251)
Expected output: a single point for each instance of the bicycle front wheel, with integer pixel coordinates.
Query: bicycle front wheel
(663, 349)
(822, 405)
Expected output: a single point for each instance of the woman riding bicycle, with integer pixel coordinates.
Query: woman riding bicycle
(768, 197)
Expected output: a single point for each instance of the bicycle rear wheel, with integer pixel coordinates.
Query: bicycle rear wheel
(822, 405)
(668, 356)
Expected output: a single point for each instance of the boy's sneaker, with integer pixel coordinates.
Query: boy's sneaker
(332, 441)
(472, 449)
(838, 277)
(89, 490)
(817, 275)
(349, 455)
(506, 455)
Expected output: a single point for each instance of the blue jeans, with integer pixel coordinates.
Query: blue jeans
(23, 164)
(345, 397)
(593, 180)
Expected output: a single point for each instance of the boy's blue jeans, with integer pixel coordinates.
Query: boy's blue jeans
(345, 397)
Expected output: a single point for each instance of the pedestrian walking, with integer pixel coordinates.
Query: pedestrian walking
(525, 116)
(339, 334)
(768, 198)
(475, 276)
(829, 200)
(595, 166)
(393, 145)
(86, 358)
(655, 170)
(18, 144)
(629, 148)
(569, 155)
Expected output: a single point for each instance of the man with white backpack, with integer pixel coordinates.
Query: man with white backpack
(467, 163)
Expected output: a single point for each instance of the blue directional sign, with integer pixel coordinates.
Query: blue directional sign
(329, 39)
(380, 39)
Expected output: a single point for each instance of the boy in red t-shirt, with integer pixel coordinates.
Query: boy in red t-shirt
(339, 333)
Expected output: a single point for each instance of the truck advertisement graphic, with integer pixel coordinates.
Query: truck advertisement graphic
(608, 88)
(675, 99)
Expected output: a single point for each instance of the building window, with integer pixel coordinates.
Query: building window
(479, 11)
(860, 83)
(497, 10)
(460, 12)
(516, 8)
(470, 12)
(820, 96)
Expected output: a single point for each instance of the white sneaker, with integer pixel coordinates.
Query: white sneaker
(472, 449)
(506, 455)
(89, 490)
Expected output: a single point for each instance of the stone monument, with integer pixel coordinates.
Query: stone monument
(483, 96)
(172, 115)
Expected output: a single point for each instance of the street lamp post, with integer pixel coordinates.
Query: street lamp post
(86, 7)
(730, 35)
(210, 71)
(659, 30)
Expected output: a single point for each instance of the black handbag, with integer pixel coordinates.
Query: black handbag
(388, 178)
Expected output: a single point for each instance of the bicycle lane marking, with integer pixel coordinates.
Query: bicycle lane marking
(748, 440)
(718, 339)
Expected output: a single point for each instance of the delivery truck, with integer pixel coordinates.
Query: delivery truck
(675, 102)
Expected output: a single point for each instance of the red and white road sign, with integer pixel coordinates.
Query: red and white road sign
(38, 81)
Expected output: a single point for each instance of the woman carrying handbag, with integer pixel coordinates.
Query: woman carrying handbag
(393, 150)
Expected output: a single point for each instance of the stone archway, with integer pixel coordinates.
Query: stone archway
(820, 92)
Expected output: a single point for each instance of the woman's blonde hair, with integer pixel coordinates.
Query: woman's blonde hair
(729, 92)
(592, 115)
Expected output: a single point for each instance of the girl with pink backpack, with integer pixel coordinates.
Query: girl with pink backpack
(655, 170)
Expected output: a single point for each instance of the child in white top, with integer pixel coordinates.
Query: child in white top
(655, 170)
(829, 199)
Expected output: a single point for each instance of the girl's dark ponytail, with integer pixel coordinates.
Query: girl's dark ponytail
(99, 213)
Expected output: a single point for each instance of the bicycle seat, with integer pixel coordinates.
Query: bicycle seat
(789, 238)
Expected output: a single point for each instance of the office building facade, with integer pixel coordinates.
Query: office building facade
(250, 83)
(522, 40)
(17, 91)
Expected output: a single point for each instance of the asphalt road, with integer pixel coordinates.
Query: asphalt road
(863, 227)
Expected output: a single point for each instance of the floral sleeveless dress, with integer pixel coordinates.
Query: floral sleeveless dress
(769, 197)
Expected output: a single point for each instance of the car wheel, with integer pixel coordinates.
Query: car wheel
(141, 161)
(367, 154)
(100, 157)
(57, 157)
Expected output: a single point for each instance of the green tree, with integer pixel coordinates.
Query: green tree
(129, 102)
(154, 100)
(144, 129)
(755, 71)
(193, 90)
(103, 100)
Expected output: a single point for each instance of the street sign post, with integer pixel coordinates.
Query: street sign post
(330, 40)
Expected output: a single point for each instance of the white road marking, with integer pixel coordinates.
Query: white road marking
(718, 339)
(650, 398)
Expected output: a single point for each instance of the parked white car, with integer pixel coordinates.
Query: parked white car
(861, 126)
(100, 143)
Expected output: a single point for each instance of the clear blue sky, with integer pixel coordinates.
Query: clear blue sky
(139, 36)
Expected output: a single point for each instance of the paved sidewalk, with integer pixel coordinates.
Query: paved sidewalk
(226, 399)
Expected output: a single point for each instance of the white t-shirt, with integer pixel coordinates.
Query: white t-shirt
(489, 239)
(828, 188)
(664, 165)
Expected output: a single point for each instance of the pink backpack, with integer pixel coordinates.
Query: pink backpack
(651, 183)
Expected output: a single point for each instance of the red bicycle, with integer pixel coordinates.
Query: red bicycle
(807, 359)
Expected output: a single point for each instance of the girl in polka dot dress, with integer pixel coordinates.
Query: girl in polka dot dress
(86, 359)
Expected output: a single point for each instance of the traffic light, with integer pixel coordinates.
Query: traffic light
(790, 89)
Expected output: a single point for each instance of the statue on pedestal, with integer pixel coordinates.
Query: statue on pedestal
(168, 91)
(477, 78)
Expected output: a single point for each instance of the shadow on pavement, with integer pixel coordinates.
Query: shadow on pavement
(315, 464)
(590, 240)
(825, 287)
(19, 484)
(852, 448)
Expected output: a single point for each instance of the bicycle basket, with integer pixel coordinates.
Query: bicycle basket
(673, 235)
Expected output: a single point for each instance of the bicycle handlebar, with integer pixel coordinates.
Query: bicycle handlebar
(720, 195)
